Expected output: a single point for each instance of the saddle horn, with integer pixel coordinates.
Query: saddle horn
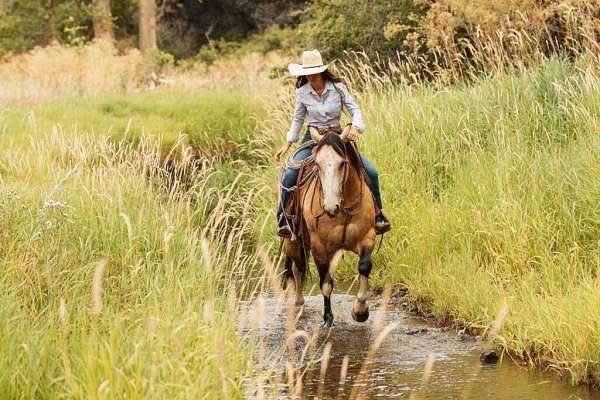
(314, 134)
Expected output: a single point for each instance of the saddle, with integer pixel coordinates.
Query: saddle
(306, 174)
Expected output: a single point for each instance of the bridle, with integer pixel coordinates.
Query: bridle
(349, 211)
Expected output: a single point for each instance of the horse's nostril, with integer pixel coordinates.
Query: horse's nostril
(336, 211)
(333, 213)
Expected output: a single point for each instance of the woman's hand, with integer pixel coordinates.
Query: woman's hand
(282, 151)
(353, 133)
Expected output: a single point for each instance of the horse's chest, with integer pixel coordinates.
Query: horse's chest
(329, 232)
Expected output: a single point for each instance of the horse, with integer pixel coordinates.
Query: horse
(338, 212)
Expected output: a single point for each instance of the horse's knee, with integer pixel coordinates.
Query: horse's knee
(325, 282)
(364, 267)
(365, 264)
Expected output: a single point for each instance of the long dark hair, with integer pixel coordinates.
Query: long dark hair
(327, 76)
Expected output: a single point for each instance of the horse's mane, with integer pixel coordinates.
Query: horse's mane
(344, 149)
(332, 139)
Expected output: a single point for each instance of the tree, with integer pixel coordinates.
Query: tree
(102, 20)
(147, 24)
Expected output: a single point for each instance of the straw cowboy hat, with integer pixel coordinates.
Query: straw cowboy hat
(312, 63)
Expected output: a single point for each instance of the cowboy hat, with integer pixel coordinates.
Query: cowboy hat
(312, 63)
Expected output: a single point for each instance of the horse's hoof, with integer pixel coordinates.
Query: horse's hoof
(328, 322)
(299, 302)
(361, 316)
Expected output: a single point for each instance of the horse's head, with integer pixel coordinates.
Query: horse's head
(332, 167)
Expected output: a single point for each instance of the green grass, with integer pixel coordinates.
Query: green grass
(492, 189)
(207, 117)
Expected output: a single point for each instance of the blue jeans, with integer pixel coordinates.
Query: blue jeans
(290, 176)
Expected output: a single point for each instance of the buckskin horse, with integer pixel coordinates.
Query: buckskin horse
(337, 213)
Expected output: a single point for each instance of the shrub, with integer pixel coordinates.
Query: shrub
(376, 27)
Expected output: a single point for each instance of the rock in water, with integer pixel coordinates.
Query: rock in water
(416, 331)
(489, 356)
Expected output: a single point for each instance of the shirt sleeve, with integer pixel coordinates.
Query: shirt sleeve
(297, 119)
(352, 107)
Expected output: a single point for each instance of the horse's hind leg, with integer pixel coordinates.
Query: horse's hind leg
(326, 284)
(360, 310)
(295, 270)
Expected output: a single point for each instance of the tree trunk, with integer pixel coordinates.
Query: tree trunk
(103, 27)
(147, 24)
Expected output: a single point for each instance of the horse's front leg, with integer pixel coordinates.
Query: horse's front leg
(360, 310)
(326, 284)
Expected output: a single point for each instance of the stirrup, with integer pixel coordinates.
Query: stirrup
(284, 227)
(382, 225)
(284, 232)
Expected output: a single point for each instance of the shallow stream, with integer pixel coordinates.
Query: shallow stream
(397, 369)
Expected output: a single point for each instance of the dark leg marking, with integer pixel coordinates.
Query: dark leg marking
(360, 310)
(326, 284)
(365, 264)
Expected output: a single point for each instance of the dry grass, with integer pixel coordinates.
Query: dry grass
(56, 71)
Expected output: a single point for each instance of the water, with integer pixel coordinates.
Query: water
(397, 368)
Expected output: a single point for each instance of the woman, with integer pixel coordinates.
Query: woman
(319, 100)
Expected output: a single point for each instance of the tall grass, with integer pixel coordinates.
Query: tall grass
(491, 187)
(120, 271)
(99, 68)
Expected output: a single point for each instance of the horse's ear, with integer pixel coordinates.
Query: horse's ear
(314, 134)
(345, 132)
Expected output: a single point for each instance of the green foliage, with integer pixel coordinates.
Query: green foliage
(29, 23)
(376, 27)
(23, 24)
(286, 39)
(274, 38)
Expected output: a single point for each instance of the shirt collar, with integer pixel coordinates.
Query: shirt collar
(328, 86)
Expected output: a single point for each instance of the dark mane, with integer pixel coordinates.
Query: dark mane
(344, 149)
(332, 139)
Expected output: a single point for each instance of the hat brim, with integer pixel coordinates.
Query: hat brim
(298, 70)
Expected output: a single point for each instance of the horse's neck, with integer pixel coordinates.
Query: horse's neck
(354, 186)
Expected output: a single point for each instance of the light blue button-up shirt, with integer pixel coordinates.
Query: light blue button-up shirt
(325, 110)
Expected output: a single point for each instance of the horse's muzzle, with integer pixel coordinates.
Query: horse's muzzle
(333, 213)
